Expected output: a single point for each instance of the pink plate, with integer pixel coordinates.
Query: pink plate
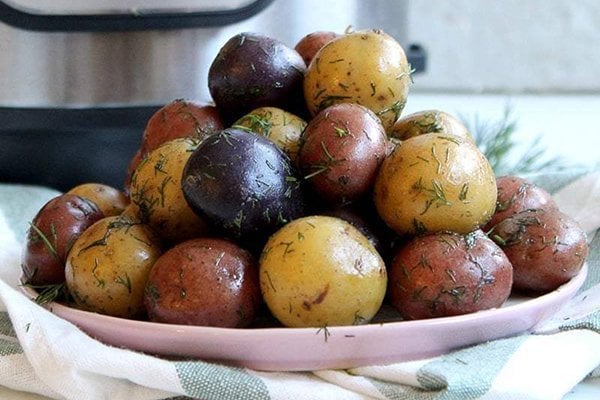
(297, 349)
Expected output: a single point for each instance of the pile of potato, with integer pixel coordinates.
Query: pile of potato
(302, 189)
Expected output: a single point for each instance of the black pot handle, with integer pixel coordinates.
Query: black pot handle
(127, 22)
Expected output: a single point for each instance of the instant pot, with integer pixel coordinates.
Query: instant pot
(79, 80)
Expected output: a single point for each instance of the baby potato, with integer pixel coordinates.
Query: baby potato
(110, 200)
(428, 121)
(156, 193)
(321, 271)
(281, 127)
(310, 44)
(515, 194)
(342, 148)
(433, 183)
(178, 119)
(108, 265)
(546, 248)
(207, 281)
(365, 67)
(51, 234)
(445, 274)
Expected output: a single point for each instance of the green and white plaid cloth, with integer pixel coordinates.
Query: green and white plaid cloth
(43, 354)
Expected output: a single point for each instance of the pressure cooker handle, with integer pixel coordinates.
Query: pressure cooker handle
(132, 21)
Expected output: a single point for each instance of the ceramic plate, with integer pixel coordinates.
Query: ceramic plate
(294, 349)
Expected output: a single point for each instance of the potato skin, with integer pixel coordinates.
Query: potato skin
(516, 194)
(243, 184)
(157, 196)
(108, 265)
(365, 67)
(179, 119)
(52, 232)
(428, 121)
(342, 148)
(546, 247)
(279, 126)
(252, 70)
(208, 282)
(445, 274)
(310, 44)
(110, 200)
(433, 183)
(321, 271)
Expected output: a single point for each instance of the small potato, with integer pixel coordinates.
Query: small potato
(428, 121)
(157, 196)
(51, 234)
(136, 159)
(209, 282)
(364, 67)
(110, 200)
(279, 126)
(252, 70)
(179, 119)
(342, 148)
(320, 271)
(445, 274)
(433, 183)
(515, 195)
(108, 265)
(310, 44)
(546, 248)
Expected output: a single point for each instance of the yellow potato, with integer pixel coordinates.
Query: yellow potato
(365, 67)
(156, 194)
(109, 200)
(107, 267)
(320, 271)
(428, 121)
(434, 183)
(281, 127)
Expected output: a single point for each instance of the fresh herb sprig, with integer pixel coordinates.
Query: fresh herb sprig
(496, 139)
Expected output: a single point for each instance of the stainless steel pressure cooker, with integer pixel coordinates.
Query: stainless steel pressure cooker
(79, 80)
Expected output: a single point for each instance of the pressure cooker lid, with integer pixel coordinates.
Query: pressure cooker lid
(121, 15)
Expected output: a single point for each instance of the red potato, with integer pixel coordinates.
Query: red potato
(208, 282)
(180, 118)
(51, 234)
(515, 195)
(341, 150)
(310, 44)
(546, 248)
(446, 274)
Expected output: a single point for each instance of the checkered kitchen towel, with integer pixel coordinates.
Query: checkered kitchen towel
(43, 354)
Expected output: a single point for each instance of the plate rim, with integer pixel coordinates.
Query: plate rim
(245, 347)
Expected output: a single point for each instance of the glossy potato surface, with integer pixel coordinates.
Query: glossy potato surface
(51, 234)
(546, 247)
(365, 67)
(428, 121)
(342, 148)
(206, 281)
(445, 274)
(110, 200)
(279, 126)
(516, 194)
(320, 271)
(156, 193)
(108, 265)
(434, 183)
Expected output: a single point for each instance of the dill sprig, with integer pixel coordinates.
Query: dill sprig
(496, 139)
(49, 293)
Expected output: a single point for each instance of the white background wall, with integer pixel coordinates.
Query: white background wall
(513, 46)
